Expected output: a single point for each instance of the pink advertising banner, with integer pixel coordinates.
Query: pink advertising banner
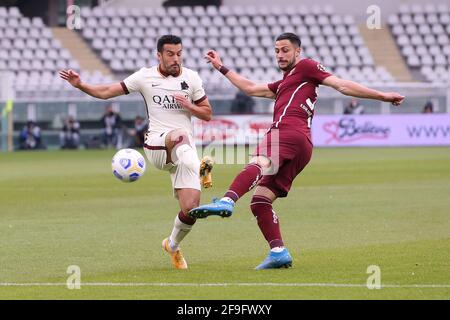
(334, 130)
(381, 130)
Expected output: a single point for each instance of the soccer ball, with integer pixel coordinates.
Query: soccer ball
(128, 165)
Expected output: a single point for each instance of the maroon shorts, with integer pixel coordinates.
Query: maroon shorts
(289, 152)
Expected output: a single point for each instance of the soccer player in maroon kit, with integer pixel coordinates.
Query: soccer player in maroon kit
(287, 147)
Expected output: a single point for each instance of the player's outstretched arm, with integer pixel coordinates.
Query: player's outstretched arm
(351, 88)
(105, 91)
(244, 84)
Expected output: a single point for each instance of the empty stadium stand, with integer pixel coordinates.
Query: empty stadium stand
(30, 50)
(385, 52)
(126, 38)
(422, 33)
(84, 55)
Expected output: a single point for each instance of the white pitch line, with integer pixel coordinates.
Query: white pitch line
(172, 284)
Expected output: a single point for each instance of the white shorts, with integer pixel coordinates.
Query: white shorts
(156, 152)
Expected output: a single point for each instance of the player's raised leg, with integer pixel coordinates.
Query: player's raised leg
(269, 224)
(245, 181)
(186, 183)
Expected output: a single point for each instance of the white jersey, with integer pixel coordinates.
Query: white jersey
(162, 109)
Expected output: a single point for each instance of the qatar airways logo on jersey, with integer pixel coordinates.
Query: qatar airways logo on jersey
(167, 101)
(347, 130)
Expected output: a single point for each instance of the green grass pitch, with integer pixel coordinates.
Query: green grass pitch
(349, 209)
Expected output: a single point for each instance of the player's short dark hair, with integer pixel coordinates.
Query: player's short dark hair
(167, 39)
(292, 37)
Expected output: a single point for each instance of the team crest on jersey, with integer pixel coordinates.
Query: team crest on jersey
(184, 85)
(321, 67)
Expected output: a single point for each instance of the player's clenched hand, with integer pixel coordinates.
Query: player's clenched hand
(183, 101)
(213, 57)
(71, 76)
(394, 98)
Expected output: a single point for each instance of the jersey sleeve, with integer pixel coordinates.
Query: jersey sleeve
(198, 92)
(315, 71)
(132, 83)
(274, 86)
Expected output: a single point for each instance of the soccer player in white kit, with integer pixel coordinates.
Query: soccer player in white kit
(172, 95)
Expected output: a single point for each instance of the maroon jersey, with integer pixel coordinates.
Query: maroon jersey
(296, 96)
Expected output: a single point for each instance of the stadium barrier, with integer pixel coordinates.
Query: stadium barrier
(7, 96)
(48, 108)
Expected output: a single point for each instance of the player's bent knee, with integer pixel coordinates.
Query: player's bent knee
(188, 159)
(188, 206)
(178, 137)
(262, 161)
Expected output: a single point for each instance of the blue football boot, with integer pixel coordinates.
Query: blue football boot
(276, 260)
(221, 208)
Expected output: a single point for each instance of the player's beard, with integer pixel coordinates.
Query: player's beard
(174, 69)
(171, 69)
(288, 67)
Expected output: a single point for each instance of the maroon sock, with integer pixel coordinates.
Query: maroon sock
(245, 181)
(267, 220)
(185, 219)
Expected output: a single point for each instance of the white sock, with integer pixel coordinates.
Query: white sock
(227, 199)
(277, 249)
(179, 231)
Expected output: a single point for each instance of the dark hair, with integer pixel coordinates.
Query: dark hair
(167, 39)
(292, 37)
